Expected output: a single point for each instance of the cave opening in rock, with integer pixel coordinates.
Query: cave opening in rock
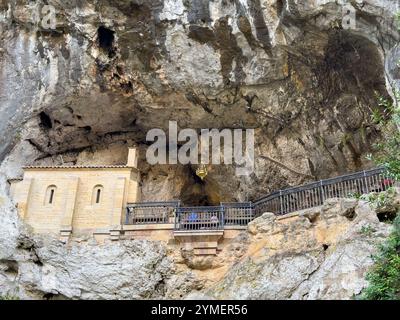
(387, 216)
(45, 120)
(280, 4)
(106, 39)
(344, 70)
(198, 192)
(11, 267)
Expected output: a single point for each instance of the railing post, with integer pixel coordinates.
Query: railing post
(176, 214)
(280, 201)
(322, 191)
(222, 216)
(176, 218)
(127, 216)
(366, 189)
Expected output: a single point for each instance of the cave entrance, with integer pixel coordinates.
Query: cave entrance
(197, 192)
(344, 68)
(106, 39)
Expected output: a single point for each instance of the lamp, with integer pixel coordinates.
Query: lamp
(201, 171)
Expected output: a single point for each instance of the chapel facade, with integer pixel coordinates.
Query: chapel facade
(77, 200)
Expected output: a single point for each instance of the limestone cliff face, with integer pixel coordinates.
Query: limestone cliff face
(41, 267)
(324, 253)
(112, 70)
(321, 253)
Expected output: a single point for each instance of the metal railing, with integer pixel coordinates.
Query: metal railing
(199, 218)
(314, 194)
(151, 212)
(237, 213)
(240, 214)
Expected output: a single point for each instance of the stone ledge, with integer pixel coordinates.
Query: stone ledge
(196, 233)
(235, 227)
(170, 226)
(147, 227)
(289, 215)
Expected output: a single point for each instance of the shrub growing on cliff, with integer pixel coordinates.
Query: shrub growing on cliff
(388, 121)
(381, 199)
(384, 278)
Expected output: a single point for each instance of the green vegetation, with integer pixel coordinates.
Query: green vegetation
(354, 195)
(381, 199)
(367, 230)
(377, 200)
(387, 118)
(384, 277)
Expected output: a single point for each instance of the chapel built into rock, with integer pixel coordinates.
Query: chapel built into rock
(78, 200)
(103, 202)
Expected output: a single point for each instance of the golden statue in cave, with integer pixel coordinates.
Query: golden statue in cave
(202, 172)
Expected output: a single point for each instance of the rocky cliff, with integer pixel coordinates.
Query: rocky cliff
(111, 70)
(320, 253)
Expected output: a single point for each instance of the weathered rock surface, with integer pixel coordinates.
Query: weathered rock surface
(42, 267)
(325, 258)
(112, 70)
(123, 270)
(323, 255)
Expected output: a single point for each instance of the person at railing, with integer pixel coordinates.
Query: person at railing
(197, 221)
(387, 183)
(214, 221)
(192, 220)
(193, 217)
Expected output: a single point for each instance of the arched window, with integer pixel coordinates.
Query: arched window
(50, 195)
(97, 194)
